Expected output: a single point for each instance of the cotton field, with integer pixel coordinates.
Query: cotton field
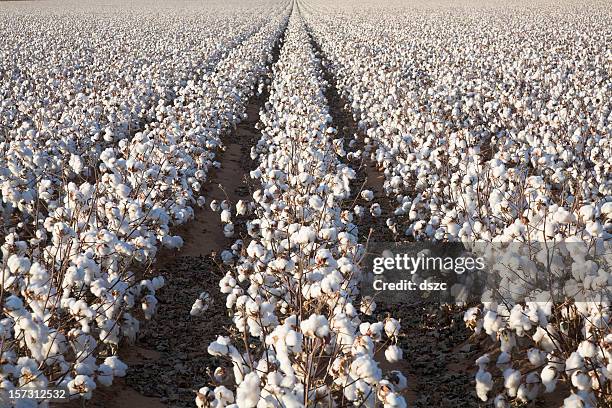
(190, 191)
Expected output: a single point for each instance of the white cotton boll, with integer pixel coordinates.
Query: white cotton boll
(76, 163)
(365, 367)
(158, 282)
(204, 397)
(201, 201)
(587, 212)
(329, 234)
(316, 202)
(394, 400)
(368, 306)
(536, 357)
(359, 211)
(512, 380)
(149, 305)
(248, 392)
(503, 360)
(226, 216)
(549, 376)
(315, 326)
(574, 362)
(105, 375)
(393, 354)
(220, 374)
(574, 401)
(581, 381)
(119, 367)
(367, 195)
(123, 191)
(587, 349)
(375, 210)
(201, 305)
(305, 235)
(13, 303)
(399, 381)
(484, 384)
(392, 327)
(563, 216)
(241, 207)
(228, 230)
(214, 205)
(223, 396)
(82, 385)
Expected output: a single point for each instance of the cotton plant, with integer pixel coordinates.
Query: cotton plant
(293, 290)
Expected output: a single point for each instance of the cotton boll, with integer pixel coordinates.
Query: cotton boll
(367, 305)
(367, 195)
(393, 354)
(241, 207)
(375, 210)
(248, 392)
(398, 380)
(82, 385)
(149, 305)
(204, 397)
(315, 326)
(587, 349)
(512, 380)
(484, 384)
(549, 376)
(392, 327)
(536, 357)
(226, 216)
(201, 304)
(214, 205)
(574, 401)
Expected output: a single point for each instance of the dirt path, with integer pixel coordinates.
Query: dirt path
(438, 358)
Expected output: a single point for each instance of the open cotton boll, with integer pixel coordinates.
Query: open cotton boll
(393, 354)
(248, 392)
(399, 381)
(375, 210)
(214, 205)
(226, 216)
(392, 327)
(82, 385)
(201, 304)
(315, 326)
(484, 384)
(305, 235)
(368, 306)
(512, 381)
(241, 207)
(587, 349)
(367, 195)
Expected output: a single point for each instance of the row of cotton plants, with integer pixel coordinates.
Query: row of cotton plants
(92, 89)
(303, 336)
(73, 291)
(504, 140)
